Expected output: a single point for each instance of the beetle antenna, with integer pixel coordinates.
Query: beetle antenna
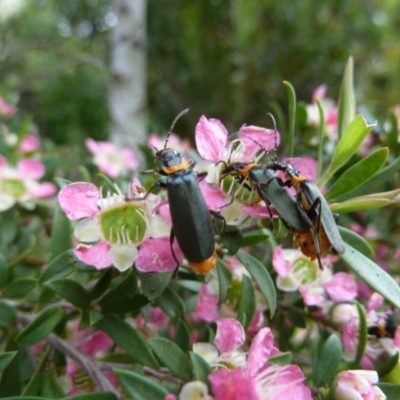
(274, 158)
(173, 126)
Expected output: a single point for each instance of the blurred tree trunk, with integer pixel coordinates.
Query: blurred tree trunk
(128, 98)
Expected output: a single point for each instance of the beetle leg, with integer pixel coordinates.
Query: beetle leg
(171, 241)
(218, 215)
(202, 175)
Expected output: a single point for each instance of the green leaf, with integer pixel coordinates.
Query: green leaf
(3, 271)
(60, 233)
(19, 288)
(321, 135)
(8, 315)
(201, 368)
(224, 277)
(327, 362)
(41, 326)
(128, 338)
(255, 237)
(126, 304)
(60, 267)
(262, 277)
(292, 115)
(71, 291)
(126, 288)
(231, 237)
(247, 305)
(182, 335)
(356, 241)
(171, 356)
(388, 365)
(138, 387)
(92, 396)
(25, 398)
(6, 358)
(9, 226)
(152, 285)
(360, 204)
(50, 386)
(171, 303)
(372, 274)
(347, 146)
(391, 390)
(102, 284)
(281, 359)
(33, 387)
(358, 174)
(376, 181)
(362, 335)
(347, 102)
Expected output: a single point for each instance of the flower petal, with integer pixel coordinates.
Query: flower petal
(86, 230)
(155, 255)
(45, 189)
(31, 169)
(97, 254)
(79, 200)
(260, 351)
(207, 304)
(211, 138)
(230, 335)
(123, 256)
(342, 287)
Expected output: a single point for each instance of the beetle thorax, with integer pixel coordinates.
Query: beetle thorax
(172, 161)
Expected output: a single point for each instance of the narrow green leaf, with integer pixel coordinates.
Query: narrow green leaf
(102, 284)
(360, 204)
(247, 305)
(391, 390)
(357, 174)
(388, 365)
(6, 358)
(171, 356)
(128, 338)
(60, 267)
(262, 277)
(321, 135)
(255, 237)
(347, 102)
(327, 362)
(224, 277)
(9, 226)
(26, 398)
(372, 274)
(171, 303)
(292, 115)
(60, 233)
(201, 368)
(92, 396)
(152, 285)
(376, 181)
(41, 326)
(138, 387)
(19, 288)
(362, 335)
(356, 241)
(182, 335)
(8, 315)
(126, 288)
(281, 359)
(71, 291)
(347, 146)
(34, 385)
(126, 304)
(3, 271)
(50, 386)
(231, 237)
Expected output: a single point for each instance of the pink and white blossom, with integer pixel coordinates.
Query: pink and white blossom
(110, 159)
(20, 184)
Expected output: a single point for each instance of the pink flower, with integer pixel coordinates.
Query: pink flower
(7, 110)
(255, 378)
(110, 159)
(207, 305)
(21, 183)
(358, 385)
(29, 144)
(111, 229)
